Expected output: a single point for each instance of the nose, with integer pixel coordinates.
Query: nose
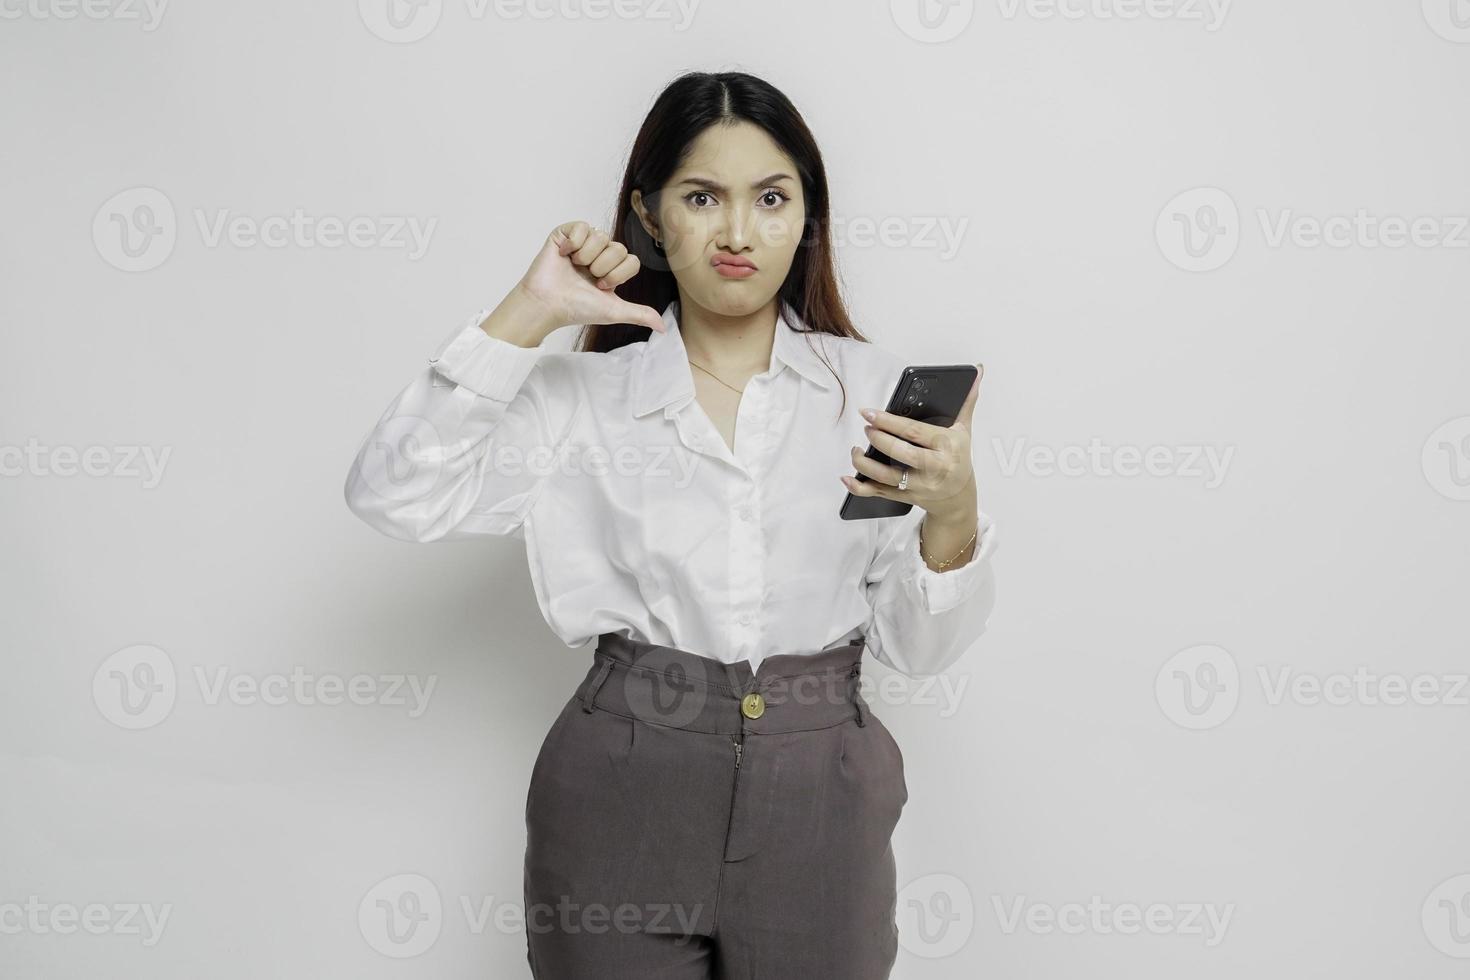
(734, 232)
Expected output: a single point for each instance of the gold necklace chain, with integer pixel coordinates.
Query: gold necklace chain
(738, 391)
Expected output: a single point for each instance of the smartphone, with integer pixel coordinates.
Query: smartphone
(933, 394)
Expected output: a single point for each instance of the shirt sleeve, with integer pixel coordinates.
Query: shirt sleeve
(924, 620)
(468, 446)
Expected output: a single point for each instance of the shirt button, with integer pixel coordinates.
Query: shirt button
(744, 513)
(745, 619)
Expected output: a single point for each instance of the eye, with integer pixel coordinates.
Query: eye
(781, 197)
(693, 194)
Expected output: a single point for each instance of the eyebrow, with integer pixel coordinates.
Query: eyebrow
(716, 186)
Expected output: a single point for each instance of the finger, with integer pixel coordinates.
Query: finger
(624, 271)
(967, 410)
(571, 236)
(861, 488)
(875, 470)
(924, 434)
(596, 241)
(608, 260)
(900, 450)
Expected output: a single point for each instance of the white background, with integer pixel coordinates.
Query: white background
(1067, 758)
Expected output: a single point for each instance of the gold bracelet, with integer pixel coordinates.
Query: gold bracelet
(946, 564)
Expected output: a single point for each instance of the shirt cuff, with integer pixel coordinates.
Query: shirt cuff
(486, 365)
(943, 591)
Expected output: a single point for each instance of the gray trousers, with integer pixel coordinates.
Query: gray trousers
(688, 819)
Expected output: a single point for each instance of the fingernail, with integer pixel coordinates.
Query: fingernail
(868, 414)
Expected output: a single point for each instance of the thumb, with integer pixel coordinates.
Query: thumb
(622, 311)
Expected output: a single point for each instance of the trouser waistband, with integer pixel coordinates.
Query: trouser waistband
(675, 688)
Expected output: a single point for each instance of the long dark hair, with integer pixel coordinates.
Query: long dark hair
(686, 108)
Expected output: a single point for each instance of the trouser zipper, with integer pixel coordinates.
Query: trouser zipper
(730, 820)
(735, 782)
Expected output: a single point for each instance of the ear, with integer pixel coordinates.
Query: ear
(644, 216)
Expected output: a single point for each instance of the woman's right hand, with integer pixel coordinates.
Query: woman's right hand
(573, 277)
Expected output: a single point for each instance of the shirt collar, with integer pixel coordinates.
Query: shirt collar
(664, 375)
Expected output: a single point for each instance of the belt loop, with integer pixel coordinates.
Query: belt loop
(590, 694)
(857, 696)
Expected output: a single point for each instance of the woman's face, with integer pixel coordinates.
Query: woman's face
(736, 196)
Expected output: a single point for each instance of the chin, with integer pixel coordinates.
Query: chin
(739, 301)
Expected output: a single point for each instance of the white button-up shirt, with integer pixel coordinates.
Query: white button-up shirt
(638, 518)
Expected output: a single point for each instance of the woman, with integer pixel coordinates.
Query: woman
(715, 798)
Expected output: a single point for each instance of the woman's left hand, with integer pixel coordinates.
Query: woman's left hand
(941, 474)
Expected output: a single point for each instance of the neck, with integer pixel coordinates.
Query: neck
(736, 345)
